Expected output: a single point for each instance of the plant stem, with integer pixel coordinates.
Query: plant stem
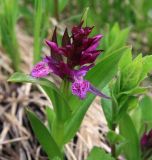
(65, 87)
(56, 9)
(113, 147)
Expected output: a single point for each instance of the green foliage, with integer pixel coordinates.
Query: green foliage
(124, 90)
(50, 117)
(131, 149)
(114, 39)
(114, 138)
(41, 131)
(41, 25)
(98, 153)
(127, 84)
(142, 116)
(8, 20)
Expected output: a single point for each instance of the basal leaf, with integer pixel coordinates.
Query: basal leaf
(44, 137)
(50, 116)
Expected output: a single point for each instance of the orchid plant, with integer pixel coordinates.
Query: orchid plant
(81, 80)
(115, 72)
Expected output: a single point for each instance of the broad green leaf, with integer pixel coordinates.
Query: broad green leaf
(146, 109)
(25, 78)
(44, 137)
(100, 75)
(50, 117)
(128, 103)
(128, 131)
(114, 138)
(115, 39)
(61, 107)
(131, 74)
(126, 59)
(147, 66)
(98, 153)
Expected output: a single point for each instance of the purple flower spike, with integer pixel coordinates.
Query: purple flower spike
(72, 60)
(80, 88)
(41, 69)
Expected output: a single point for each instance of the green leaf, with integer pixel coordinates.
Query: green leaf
(50, 116)
(61, 107)
(25, 78)
(115, 39)
(44, 137)
(137, 90)
(146, 109)
(142, 115)
(128, 131)
(98, 153)
(114, 138)
(125, 59)
(100, 75)
(147, 66)
(130, 75)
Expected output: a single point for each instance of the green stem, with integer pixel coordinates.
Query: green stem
(65, 87)
(113, 147)
(56, 9)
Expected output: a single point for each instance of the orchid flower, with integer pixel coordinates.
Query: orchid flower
(80, 52)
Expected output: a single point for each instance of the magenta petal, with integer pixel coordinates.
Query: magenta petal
(41, 69)
(93, 43)
(89, 57)
(80, 88)
(79, 74)
(95, 91)
(54, 47)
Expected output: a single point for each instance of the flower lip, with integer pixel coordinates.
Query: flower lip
(41, 69)
(80, 88)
